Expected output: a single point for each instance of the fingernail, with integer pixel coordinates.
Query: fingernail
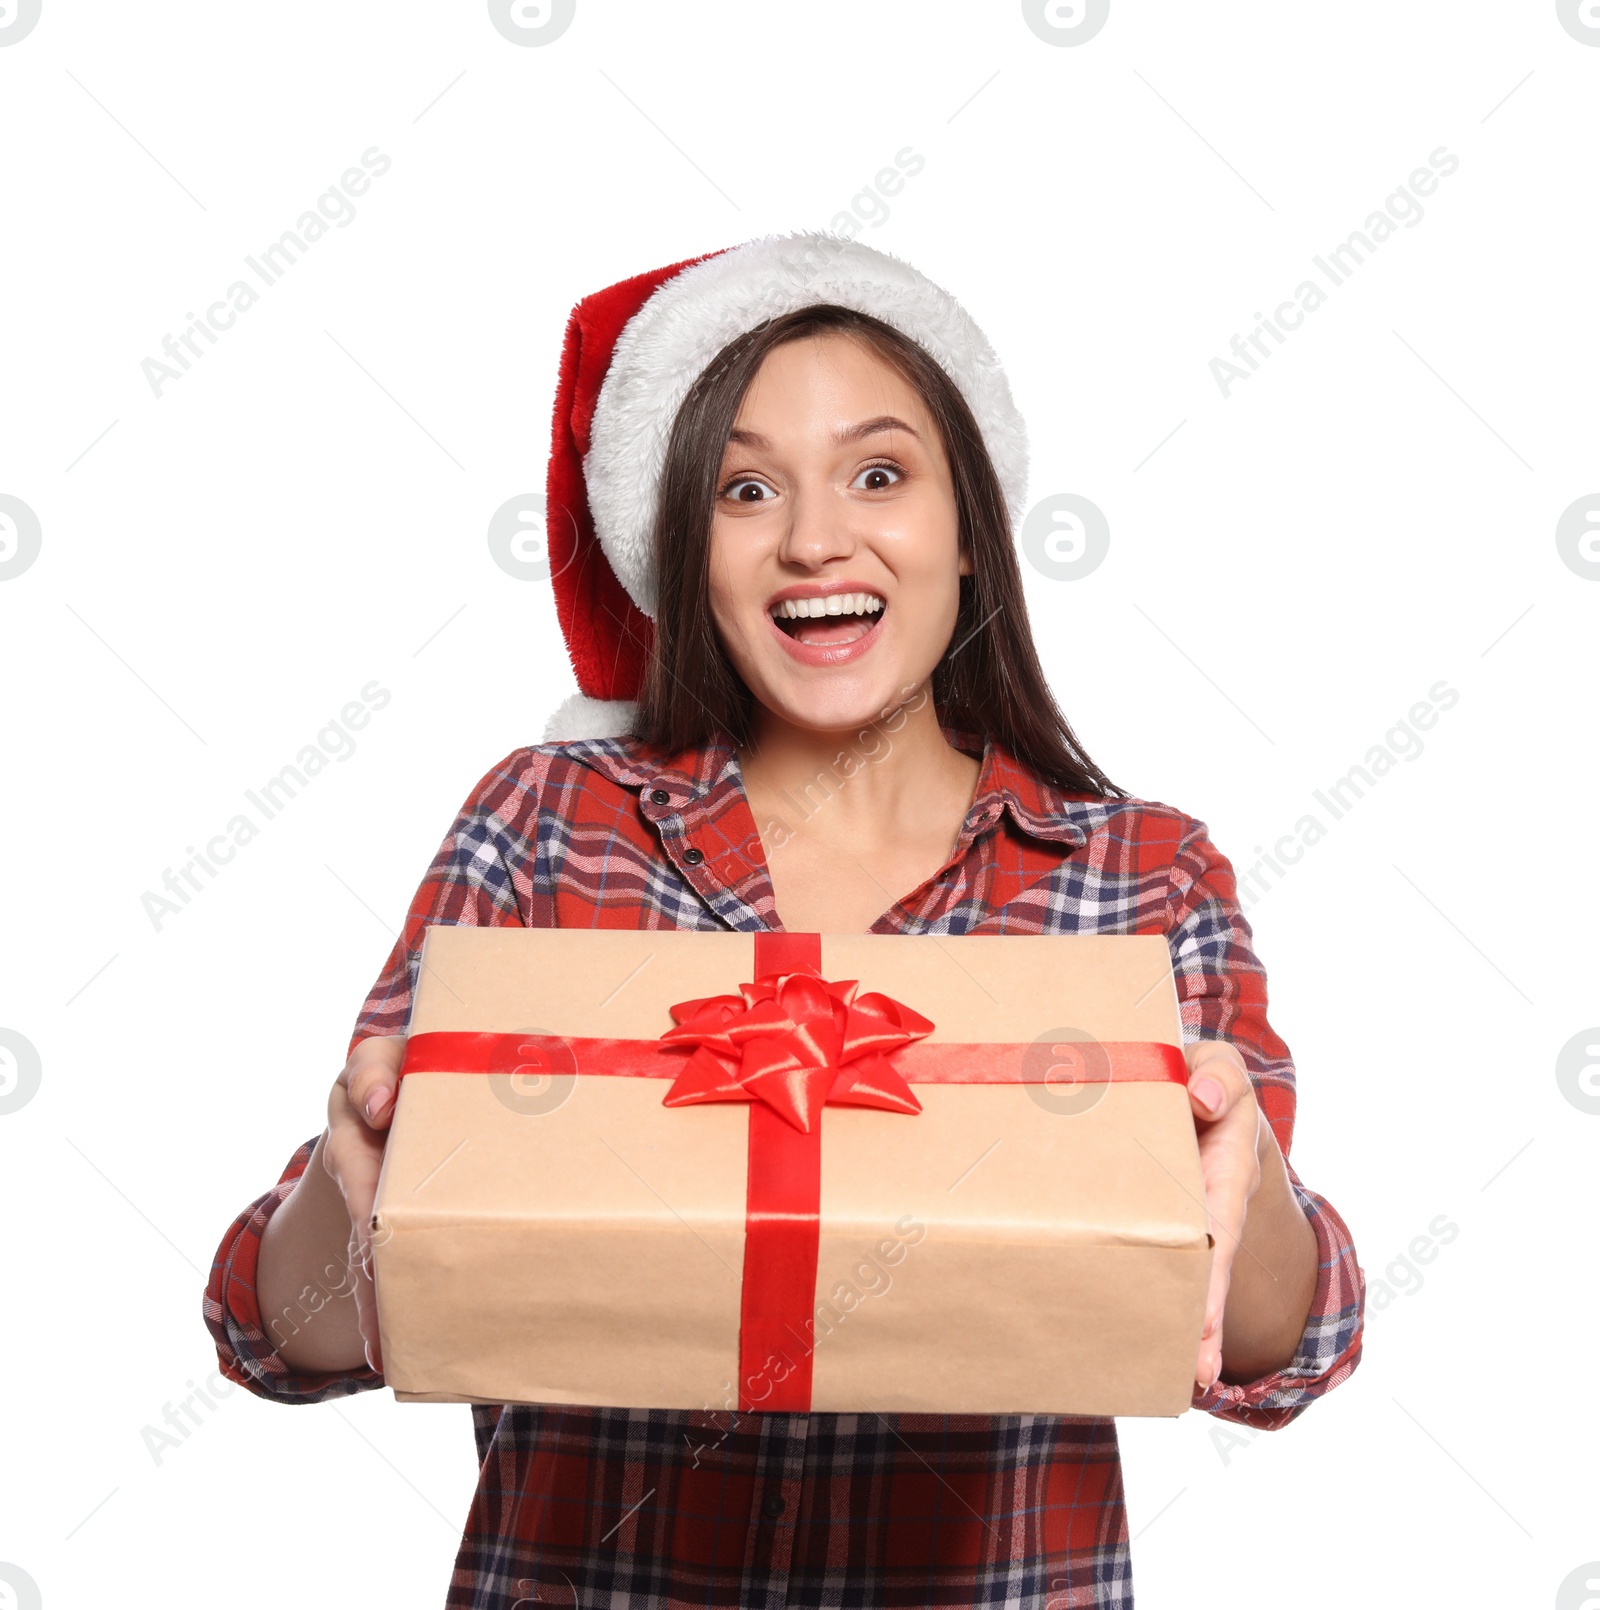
(1209, 1094)
(376, 1102)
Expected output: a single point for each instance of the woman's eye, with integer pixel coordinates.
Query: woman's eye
(881, 470)
(739, 490)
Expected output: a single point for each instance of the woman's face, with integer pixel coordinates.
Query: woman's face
(834, 489)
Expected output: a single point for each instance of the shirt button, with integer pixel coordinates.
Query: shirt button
(659, 796)
(693, 856)
(772, 1506)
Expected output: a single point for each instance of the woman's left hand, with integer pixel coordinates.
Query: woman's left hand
(1228, 1123)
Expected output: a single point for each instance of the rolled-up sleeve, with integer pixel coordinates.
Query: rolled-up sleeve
(1222, 995)
(246, 1353)
(469, 881)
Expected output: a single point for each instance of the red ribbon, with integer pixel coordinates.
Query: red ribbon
(789, 1044)
(794, 1041)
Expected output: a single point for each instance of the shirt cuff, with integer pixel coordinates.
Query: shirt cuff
(1330, 1345)
(245, 1353)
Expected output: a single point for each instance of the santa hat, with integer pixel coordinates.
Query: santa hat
(630, 356)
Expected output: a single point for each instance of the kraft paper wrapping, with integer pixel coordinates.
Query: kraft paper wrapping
(987, 1255)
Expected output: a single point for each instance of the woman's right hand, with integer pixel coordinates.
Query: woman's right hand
(360, 1110)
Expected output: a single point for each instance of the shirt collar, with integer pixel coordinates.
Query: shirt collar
(1005, 784)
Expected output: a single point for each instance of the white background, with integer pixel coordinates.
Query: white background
(1291, 568)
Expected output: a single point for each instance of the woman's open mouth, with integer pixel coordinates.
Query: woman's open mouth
(830, 628)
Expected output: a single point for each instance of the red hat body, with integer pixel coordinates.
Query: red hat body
(608, 636)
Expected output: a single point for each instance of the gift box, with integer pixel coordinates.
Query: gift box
(797, 1172)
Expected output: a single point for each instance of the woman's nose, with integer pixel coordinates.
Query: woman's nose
(818, 529)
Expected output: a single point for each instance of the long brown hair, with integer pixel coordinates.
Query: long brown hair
(989, 681)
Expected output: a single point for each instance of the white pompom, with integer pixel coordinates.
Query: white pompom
(583, 717)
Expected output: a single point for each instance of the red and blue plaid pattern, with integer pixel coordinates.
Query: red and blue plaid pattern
(670, 1509)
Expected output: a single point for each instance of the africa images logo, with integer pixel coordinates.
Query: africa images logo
(18, 18)
(1065, 22)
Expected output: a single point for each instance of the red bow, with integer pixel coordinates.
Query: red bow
(796, 1042)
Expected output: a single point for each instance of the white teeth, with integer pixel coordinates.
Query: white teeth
(832, 604)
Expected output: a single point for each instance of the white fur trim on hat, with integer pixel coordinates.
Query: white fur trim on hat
(583, 717)
(691, 317)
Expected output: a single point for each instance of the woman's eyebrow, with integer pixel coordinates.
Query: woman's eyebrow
(845, 433)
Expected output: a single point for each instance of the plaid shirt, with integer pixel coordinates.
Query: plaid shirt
(669, 1508)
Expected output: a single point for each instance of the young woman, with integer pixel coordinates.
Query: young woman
(834, 720)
